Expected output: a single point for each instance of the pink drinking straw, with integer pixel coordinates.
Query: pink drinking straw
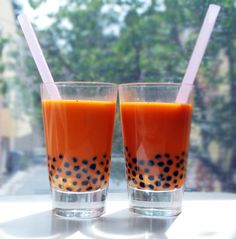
(198, 52)
(38, 56)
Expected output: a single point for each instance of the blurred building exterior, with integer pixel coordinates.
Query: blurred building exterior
(15, 130)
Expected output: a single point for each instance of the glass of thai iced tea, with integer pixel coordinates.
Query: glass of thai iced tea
(78, 130)
(156, 133)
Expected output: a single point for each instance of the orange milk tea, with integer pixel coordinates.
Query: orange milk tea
(78, 137)
(156, 141)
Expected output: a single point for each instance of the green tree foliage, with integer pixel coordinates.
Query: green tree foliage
(129, 41)
(3, 42)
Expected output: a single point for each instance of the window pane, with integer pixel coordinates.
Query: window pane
(118, 41)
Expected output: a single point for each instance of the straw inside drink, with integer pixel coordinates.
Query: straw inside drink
(38, 56)
(198, 52)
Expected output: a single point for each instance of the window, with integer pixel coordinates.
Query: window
(118, 41)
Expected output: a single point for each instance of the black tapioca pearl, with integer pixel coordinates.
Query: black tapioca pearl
(126, 149)
(69, 189)
(137, 168)
(161, 176)
(151, 163)
(85, 182)
(142, 184)
(59, 170)
(167, 155)
(166, 185)
(129, 178)
(147, 170)
(166, 169)
(140, 176)
(175, 181)
(158, 156)
(176, 186)
(177, 165)
(49, 158)
(134, 181)
(107, 162)
(76, 168)
(93, 166)
(176, 173)
(94, 181)
(59, 185)
(182, 161)
(78, 175)
(168, 178)
(85, 162)
(74, 183)
(129, 155)
(169, 162)
(141, 162)
(183, 153)
(102, 177)
(129, 165)
(134, 173)
(64, 180)
(54, 160)
(183, 168)
(150, 186)
(53, 167)
(106, 170)
(98, 172)
(60, 156)
(48, 165)
(85, 170)
(177, 157)
(181, 176)
(134, 160)
(158, 183)
(128, 170)
(160, 164)
(89, 188)
(68, 173)
(151, 177)
(74, 159)
(50, 172)
(79, 190)
(88, 177)
(102, 163)
(67, 164)
(104, 156)
(94, 158)
(56, 176)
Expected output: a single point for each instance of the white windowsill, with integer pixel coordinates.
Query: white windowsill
(205, 215)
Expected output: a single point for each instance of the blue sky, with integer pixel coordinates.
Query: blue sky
(39, 16)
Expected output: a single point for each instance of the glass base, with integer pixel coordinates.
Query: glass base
(156, 203)
(79, 205)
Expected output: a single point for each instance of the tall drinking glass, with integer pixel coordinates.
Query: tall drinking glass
(78, 131)
(156, 141)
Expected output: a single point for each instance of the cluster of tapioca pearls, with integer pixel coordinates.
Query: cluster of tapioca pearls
(78, 175)
(163, 172)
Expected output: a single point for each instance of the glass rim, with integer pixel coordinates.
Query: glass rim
(136, 84)
(80, 83)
